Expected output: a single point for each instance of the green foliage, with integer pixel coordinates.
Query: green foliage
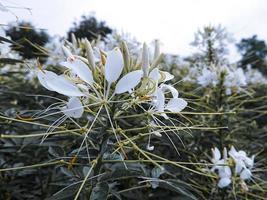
(89, 27)
(28, 38)
(254, 52)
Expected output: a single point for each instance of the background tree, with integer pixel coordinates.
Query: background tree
(89, 27)
(211, 43)
(254, 52)
(29, 38)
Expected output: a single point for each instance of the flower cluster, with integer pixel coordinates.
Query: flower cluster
(223, 165)
(234, 78)
(106, 75)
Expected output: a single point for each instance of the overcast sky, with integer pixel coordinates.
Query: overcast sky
(172, 21)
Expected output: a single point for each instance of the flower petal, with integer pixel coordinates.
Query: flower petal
(129, 81)
(216, 155)
(225, 171)
(80, 69)
(239, 165)
(171, 89)
(44, 76)
(176, 105)
(114, 65)
(154, 74)
(63, 86)
(167, 76)
(245, 174)
(74, 108)
(160, 100)
(224, 182)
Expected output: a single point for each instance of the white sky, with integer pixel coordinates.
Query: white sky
(172, 21)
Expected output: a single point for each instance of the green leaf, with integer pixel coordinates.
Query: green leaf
(3, 39)
(56, 151)
(100, 192)
(177, 186)
(10, 61)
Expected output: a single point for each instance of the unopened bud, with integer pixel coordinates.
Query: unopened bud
(66, 52)
(145, 60)
(74, 40)
(156, 50)
(90, 54)
(224, 153)
(126, 55)
(158, 134)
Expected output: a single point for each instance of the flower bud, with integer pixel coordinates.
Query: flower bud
(90, 54)
(126, 55)
(74, 40)
(156, 50)
(145, 60)
(224, 153)
(66, 52)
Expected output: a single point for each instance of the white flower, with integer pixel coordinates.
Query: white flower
(224, 171)
(175, 104)
(243, 164)
(207, 77)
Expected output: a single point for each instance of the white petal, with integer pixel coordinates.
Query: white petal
(168, 76)
(232, 152)
(44, 76)
(65, 64)
(150, 148)
(176, 105)
(224, 182)
(250, 161)
(74, 108)
(216, 154)
(239, 165)
(242, 153)
(80, 69)
(171, 89)
(154, 74)
(63, 86)
(225, 171)
(114, 65)
(160, 100)
(129, 81)
(245, 174)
